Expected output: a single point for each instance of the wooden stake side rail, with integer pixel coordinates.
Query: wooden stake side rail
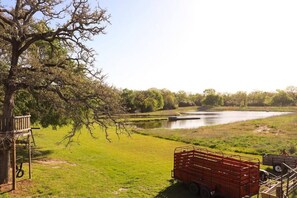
(231, 177)
(236, 174)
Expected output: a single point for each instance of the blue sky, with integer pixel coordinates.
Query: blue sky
(192, 45)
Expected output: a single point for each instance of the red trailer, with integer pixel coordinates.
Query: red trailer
(213, 174)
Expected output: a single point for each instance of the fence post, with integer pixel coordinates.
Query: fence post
(288, 181)
(29, 157)
(13, 163)
(279, 192)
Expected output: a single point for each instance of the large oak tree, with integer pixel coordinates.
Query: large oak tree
(43, 54)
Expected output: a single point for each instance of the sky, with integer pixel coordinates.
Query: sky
(193, 45)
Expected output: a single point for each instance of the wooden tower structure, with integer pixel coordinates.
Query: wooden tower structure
(14, 130)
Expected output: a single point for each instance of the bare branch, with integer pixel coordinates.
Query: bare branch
(43, 42)
(5, 38)
(6, 20)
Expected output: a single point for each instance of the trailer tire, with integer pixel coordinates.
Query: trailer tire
(194, 188)
(277, 168)
(204, 192)
(263, 175)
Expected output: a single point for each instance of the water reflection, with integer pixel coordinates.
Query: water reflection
(209, 118)
(150, 124)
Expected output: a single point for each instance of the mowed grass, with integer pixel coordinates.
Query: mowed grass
(136, 166)
(139, 165)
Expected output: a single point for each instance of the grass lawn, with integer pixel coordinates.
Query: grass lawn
(136, 166)
(140, 165)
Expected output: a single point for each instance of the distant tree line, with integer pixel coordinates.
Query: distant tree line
(159, 99)
(163, 99)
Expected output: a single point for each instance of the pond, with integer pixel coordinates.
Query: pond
(208, 118)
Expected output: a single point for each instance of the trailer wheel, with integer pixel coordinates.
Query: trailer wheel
(263, 175)
(204, 192)
(277, 168)
(194, 188)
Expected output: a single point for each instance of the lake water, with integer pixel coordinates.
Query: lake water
(209, 118)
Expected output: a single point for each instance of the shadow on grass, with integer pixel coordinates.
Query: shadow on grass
(40, 154)
(37, 153)
(175, 190)
(23, 157)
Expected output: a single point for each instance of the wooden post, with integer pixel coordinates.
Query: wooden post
(29, 157)
(288, 181)
(13, 163)
(279, 192)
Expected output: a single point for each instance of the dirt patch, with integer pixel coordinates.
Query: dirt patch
(22, 187)
(120, 190)
(265, 129)
(54, 162)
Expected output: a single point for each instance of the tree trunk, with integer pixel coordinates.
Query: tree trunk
(8, 105)
(4, 165)
(6, 146)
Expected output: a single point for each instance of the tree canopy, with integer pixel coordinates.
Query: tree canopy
(47, 66)
(211, 98)
(44, 57)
